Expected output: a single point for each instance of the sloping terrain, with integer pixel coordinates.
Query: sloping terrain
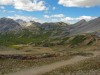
(52, 41)
(7, 24)
(48, 68)
(58, 29)
(87, 27)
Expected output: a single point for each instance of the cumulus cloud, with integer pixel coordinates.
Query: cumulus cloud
(6, 2)
(52, 19)
(73, 20)
(79, 3)
(27, 5)
(25, 18)
(57, 16)
(46, 16)
(85, 17)
(54, 16)
(63, 18)
(66, 19)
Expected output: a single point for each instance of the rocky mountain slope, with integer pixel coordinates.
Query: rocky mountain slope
(57, 29)
(7, 24)
(48, 34)
(86, 27)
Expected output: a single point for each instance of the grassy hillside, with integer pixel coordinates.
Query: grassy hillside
(45, 39)
(25, 37)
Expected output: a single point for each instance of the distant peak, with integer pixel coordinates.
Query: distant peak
(80, 22)
(83, 20)
(98, 18)
(3, 18)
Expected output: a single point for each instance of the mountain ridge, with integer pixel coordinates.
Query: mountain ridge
(60, 28)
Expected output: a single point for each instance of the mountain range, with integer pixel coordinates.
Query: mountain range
(59, 28)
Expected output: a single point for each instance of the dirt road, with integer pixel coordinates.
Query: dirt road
(50, 67)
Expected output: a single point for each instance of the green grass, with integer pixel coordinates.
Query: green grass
(18, 47)
(77, 40)
(25, 37)
(91, 42)
(41, 39)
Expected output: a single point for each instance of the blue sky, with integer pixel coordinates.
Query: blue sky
(50, 10)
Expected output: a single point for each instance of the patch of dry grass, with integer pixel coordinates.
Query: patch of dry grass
(86, 67)
(14, 65)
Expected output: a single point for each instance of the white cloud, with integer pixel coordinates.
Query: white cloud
(67, 19)
(46, 16)
(79, 3)
(85, 17)
(63, 18)
(57, 16)
(54, 20)
(73, 20)
(6, 2)
(27, 5)
(54, 16)
(25, 18)
(51, 19)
